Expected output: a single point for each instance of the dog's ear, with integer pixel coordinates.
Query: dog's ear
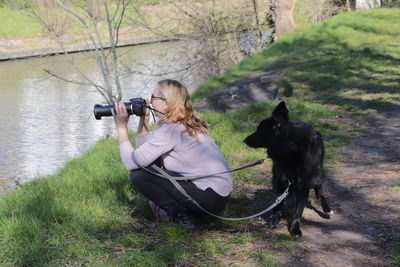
(281, 113)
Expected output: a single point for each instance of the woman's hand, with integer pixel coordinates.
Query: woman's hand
(143, 126)
(120, 115)
(146, 117)
(121, 119)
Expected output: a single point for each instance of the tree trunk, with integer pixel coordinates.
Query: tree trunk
(367, 4)
(348, 6)
(94, 7)
(284, 22)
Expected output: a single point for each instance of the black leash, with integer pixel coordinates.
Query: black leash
(186, 178)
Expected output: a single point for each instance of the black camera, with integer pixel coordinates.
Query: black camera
(135, 106)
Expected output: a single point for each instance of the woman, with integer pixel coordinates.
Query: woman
(181, 145)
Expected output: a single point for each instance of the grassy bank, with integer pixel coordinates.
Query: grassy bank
(17, 25)
(88, 213)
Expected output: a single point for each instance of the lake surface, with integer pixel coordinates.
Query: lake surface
(44, 122)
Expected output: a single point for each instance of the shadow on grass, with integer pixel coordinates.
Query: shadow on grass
(29, 224)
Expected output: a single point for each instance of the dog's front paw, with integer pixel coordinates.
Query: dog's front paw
(328, 212)
(326, 209)
(294, 229)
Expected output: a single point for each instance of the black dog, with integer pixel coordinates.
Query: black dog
(297, 153)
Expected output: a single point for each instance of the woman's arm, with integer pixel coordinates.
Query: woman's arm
(162, 141)
(121, 119)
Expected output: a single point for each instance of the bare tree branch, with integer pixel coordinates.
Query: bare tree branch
(65, 79)
(96, 43)
(114, 52)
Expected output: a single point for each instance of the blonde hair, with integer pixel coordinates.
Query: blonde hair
(180, 109)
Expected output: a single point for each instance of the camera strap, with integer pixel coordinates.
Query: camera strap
(174, 180)
(152, 110)
(186, 178)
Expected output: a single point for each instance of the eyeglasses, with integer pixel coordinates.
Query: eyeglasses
(156, 97)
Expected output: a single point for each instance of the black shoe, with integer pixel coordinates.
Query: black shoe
(188, 222)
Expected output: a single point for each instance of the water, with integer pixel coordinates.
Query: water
(44, 122)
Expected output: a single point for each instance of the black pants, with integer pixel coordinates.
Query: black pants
(164, 194)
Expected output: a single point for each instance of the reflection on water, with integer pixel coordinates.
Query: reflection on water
(44, 121)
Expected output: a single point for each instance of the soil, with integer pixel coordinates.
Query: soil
(365, 225)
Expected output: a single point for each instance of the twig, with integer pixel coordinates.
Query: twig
(64, 79)
(108, 247)
(361, 185)
(94, 246)
(133, 210)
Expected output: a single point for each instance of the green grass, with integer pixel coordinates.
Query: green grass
(393, 4)
(16, 25)
(88, 213)
(396, 252)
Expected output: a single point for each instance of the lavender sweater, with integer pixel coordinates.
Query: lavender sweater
(181, 153)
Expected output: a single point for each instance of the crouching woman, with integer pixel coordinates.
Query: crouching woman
(182, 147)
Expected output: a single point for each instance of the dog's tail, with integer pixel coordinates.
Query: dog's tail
(320, 154)
(320, 143)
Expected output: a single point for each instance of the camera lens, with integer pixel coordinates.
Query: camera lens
(102, 111)
(136, 106)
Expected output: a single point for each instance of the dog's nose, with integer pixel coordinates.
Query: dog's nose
(246, 143)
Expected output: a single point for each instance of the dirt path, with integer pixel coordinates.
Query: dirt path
(365, 224)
